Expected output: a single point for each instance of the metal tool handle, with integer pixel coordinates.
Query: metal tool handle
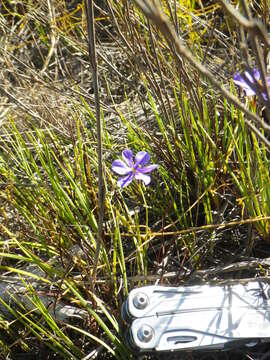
(196, 317)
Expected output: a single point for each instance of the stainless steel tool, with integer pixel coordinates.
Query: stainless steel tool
(197, 317)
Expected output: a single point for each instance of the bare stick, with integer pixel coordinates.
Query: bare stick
(54, 38)
(253, 26)
(152, 10)
(101, 188)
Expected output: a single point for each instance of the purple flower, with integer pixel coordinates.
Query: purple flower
(247, 86)
(133, 170)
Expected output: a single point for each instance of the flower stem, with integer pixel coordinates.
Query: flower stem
(101, 185)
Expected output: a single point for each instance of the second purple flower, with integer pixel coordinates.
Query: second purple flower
(249, 86)
(133, 169)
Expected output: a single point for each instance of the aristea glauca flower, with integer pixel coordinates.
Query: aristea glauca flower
(133, 169)
(249, 86)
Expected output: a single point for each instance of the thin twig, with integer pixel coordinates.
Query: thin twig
(253, 26)
(101, 188)
(259, 57)
(152, 10)
(54, 38)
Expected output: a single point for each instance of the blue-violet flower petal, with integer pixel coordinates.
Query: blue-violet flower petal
(120, 167)
(246, 82)
(127, 156)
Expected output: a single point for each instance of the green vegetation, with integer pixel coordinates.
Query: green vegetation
(208, 203)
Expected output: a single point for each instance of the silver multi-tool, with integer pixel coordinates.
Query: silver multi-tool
(197, 317)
